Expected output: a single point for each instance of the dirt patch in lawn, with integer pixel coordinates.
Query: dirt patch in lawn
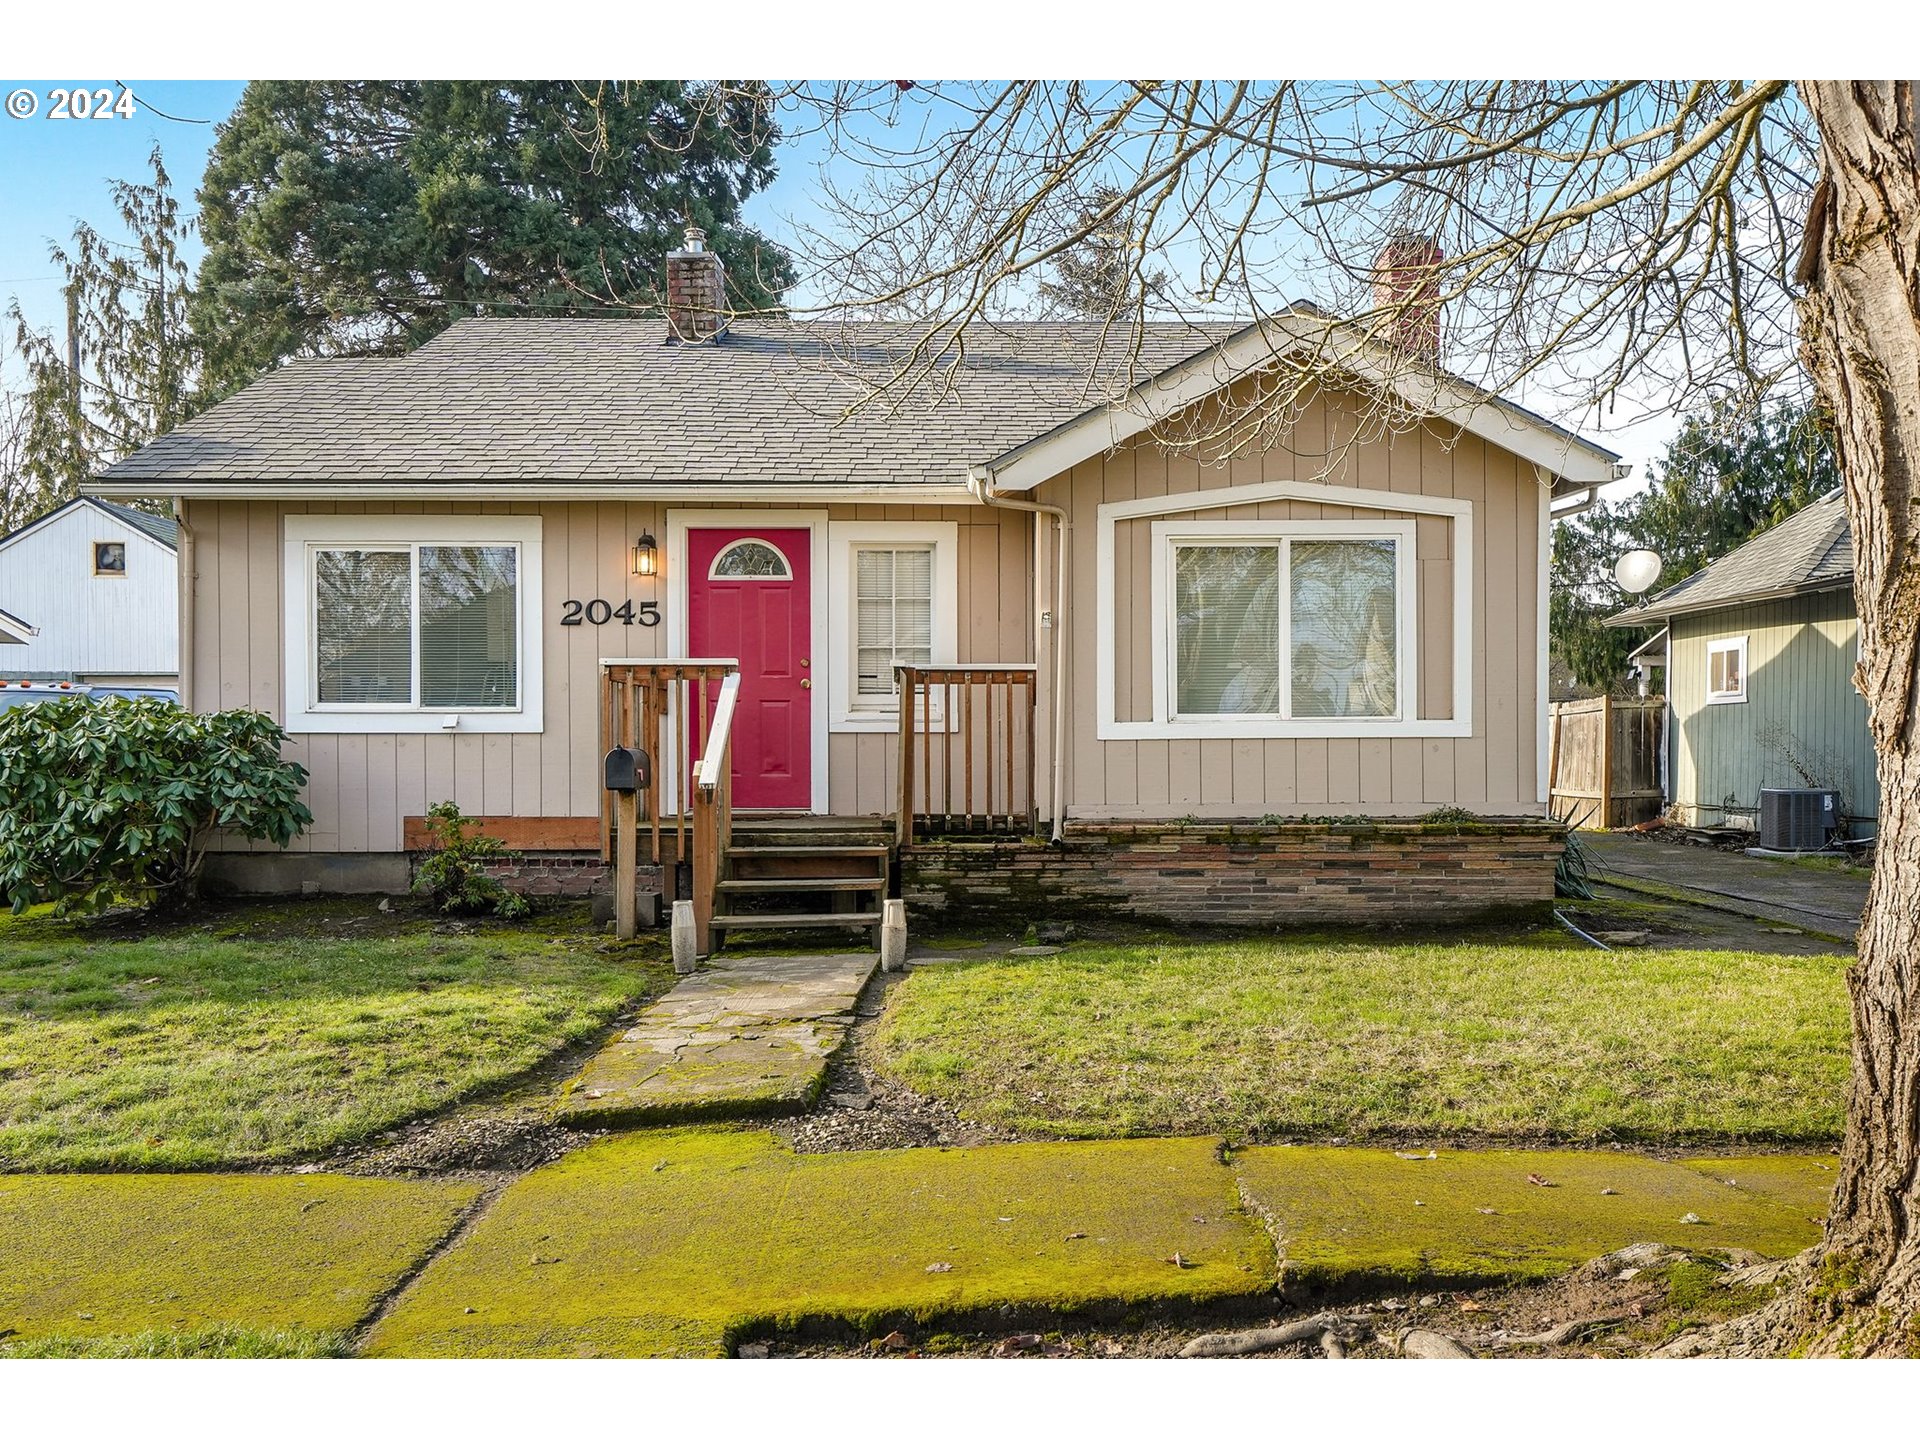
(1624, 1305)
(861, 1109)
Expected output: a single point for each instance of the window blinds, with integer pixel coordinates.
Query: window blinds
(893, 593)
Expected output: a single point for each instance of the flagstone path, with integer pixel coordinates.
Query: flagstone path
(747, 1035)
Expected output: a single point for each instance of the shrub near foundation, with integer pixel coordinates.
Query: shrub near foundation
(114, 800)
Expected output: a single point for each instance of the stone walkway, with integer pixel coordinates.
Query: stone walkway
(748, 1035)
(1816, 897)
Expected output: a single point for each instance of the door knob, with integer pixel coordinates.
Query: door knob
(806, 684)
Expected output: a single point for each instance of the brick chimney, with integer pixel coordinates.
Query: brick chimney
(1406, 287)
(696, 291)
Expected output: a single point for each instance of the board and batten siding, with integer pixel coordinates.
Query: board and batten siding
(1494, 770)
(361, 786)
(1801, 654)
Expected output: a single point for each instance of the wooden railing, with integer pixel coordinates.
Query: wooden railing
(665, 708)
(966, 750)
(713, 812)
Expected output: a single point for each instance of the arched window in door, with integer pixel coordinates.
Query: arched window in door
(749, 560)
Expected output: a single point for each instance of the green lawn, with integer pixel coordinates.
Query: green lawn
(269, 1032)
(1317, 1036)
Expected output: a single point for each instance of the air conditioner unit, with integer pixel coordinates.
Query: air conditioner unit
(1798, 819)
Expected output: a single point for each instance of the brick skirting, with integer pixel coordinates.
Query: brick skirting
(1247, 874)
(575, 874)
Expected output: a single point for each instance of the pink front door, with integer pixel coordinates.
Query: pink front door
(750, 595)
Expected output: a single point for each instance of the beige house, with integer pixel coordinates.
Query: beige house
(1116, 612)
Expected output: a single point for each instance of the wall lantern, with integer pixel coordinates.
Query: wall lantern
(645, 554)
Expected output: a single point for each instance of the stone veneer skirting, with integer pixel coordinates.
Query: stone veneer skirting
(1219, 873)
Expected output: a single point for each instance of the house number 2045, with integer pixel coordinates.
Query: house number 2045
(601, 612)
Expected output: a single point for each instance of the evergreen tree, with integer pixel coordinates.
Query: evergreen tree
(127, 326)
(1728, 475)
(361, 217)
(1104, 274)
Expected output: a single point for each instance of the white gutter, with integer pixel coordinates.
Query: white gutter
(980, 483)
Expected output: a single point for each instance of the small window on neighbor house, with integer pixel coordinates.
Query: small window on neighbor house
(1727, 671)
(893, 625)
(109, 557)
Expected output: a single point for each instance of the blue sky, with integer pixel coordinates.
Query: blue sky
(57, 171)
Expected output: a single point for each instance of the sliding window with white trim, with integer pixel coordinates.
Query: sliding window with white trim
(1280, 627)
(399, 623)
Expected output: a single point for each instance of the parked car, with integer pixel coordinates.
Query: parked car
(36, 692)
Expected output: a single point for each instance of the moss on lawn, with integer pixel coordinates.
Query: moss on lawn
(1344, 1216)
(211, 1342)
(1801, 1183)
(676, 1242)
(1304, 1036)
(257, 1033)
(115, 1260)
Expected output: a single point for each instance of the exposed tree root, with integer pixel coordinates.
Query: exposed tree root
(1345, 1330)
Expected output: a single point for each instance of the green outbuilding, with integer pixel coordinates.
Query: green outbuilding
(1759, 650)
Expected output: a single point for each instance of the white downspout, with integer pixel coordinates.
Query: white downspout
(183, 556)
(980, 482)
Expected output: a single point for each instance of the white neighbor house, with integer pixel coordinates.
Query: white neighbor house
(94, 590)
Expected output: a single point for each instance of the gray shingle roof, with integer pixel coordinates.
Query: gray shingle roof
(1809, 550)
(608, 401)
(159, 527)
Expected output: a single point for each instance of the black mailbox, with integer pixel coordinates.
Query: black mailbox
(628, 770)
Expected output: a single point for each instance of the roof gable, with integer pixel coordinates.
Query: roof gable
(1811, 549)
(157, 528)
(1425, 389)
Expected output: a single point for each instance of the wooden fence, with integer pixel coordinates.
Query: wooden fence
(1604, 759)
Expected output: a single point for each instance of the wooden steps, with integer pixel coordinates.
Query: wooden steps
(780, 874)
(846, 919)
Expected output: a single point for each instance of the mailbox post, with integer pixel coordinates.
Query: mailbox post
(627, 772)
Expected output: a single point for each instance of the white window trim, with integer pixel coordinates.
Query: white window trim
(1170, 535)
(843, 538)
(1738, 645)
(1458, 513)
(306, 533)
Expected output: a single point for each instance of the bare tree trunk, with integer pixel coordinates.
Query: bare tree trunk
(1860, 326)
